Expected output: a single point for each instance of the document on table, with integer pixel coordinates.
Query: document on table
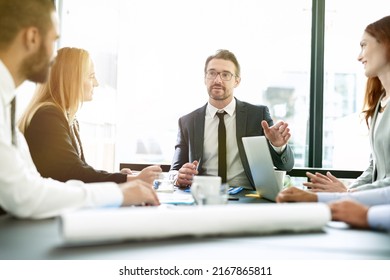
(176, 198)
(143, 223)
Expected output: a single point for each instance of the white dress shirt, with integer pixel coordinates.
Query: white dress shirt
(379, 200)
(235, 171)
(23, 192)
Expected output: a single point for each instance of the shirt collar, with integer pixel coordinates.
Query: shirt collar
(7, 84)
(229, 109)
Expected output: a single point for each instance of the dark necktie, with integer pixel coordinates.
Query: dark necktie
(222, 172)
(13, 128)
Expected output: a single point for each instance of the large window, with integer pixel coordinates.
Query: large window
(149, 57)
(345, 134)
(164, 45)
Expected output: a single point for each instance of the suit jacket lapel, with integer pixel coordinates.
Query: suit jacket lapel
(241, 124)
(241, 117)
(379, 140)
(372, 136)
(199, 121)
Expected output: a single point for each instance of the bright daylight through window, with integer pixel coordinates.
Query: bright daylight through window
(149, 64)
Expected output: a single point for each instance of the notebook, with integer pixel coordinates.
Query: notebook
(261, 166)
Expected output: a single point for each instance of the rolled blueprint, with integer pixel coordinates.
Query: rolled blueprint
(138, 223)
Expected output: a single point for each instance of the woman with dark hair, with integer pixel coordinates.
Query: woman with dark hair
(369, 208)
(375, 57)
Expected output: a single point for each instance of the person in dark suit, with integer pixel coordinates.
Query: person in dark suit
(196, 150)
(52, 130)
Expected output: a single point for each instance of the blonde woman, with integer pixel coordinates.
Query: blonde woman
(51, 128)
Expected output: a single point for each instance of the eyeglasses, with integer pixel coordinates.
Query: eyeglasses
(225, 75)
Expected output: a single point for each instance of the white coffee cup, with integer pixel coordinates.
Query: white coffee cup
(280, 175)
(208, 190)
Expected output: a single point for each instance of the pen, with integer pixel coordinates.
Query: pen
(197, 167)
(233, 198)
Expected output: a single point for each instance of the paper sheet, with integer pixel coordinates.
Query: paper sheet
(176, 198)
(134, 223)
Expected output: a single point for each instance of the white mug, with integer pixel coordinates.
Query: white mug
(208, 190)
(280, 175)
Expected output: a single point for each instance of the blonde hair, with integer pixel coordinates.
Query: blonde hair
(64, 88)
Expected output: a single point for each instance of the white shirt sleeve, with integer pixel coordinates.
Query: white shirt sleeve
(23, 191)
(379, 217)
(378, 199)
(367, 197)
(25, 194)
(279, 150)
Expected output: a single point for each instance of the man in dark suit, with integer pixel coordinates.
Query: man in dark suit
(196, 150)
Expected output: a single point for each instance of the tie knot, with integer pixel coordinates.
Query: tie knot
(221, 114)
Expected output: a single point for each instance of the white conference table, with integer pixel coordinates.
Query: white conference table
(41, 240)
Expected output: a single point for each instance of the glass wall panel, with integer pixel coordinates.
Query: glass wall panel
(94, 25)
(163, 48)
(149, 57)
(345, 142)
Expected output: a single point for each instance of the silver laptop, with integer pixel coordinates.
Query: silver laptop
(261, 166)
